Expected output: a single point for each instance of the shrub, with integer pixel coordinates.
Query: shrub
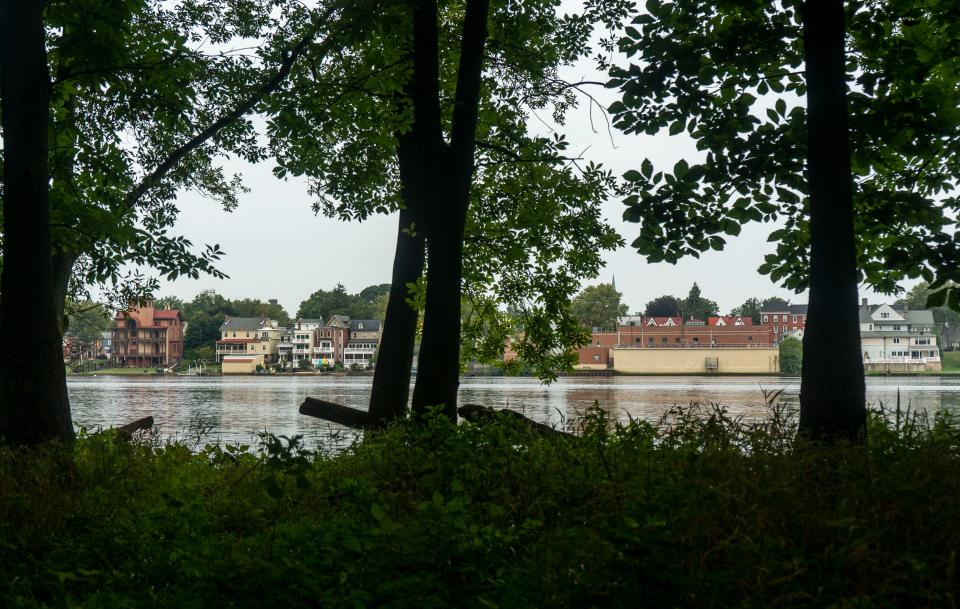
(698, 510)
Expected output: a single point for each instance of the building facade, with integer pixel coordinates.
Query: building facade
(147, 337)
(673, 333)
(249, 336)
(899, 337)
(783, 319)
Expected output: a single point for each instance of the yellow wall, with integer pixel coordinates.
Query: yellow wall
(692, 361)
(230, 367)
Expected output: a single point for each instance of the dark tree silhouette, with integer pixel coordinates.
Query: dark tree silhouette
(33, 390)
(832, 400)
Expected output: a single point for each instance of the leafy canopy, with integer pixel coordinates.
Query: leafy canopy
(729, 75)
(598, 306)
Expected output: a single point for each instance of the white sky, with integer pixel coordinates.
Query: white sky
(277, 248)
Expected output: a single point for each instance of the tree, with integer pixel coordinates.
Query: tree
(324, 304)
(371, 294)
(88, 321)
(598, 306)
(750, 308)
(169, 302)
(729, 75)
(663, 306)
(34, 406)
(791, 356)
(918, 298)
(435, 149)
(695, 306)
(105, 198)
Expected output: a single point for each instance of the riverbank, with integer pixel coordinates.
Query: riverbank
(697, 513)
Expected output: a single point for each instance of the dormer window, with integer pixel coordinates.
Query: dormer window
(884, 316)
(652, 322)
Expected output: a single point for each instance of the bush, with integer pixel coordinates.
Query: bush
(700, 510)
(791, 356)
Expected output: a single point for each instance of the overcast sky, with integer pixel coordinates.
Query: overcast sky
(277, 248)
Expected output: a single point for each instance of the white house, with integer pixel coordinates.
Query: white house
(893, 335)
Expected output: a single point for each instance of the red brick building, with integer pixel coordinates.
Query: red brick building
(674, 333)
(783, 319)
(146, 337)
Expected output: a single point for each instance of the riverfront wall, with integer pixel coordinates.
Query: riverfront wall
(758, 360)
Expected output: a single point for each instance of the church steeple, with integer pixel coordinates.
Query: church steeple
(613, 281)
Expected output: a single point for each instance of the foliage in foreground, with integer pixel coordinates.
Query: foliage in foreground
(699, 511)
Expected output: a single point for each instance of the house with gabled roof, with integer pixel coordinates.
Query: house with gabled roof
(147, 337)
(895, 335)
(249, 341)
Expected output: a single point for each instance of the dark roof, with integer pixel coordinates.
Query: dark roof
(362, 341)
(912, 316)
(343, 319)
(369, 325)
(310, 321)
(243, 323)
(792, 309)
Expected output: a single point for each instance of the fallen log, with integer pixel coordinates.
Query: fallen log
(360, 419)
(125, 432)
(336, 413)
(484, 414)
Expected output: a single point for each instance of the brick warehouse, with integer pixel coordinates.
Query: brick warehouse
(640, 332)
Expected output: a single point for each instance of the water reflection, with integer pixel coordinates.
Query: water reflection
(237, 408)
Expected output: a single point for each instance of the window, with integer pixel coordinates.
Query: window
(596, 358)
(923, 341)
(896, 327)
(774, 318)
(776, 329)
(764, 319)
(638, 339)
(794, 319)
(896, 341)
(663, 340)
(676, 340)
(696, 339)
(884, 316)
(750, 338)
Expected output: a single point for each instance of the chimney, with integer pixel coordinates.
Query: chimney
(863, 302)
(906, 307)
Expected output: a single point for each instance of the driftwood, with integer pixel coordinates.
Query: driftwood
(125, 432)
(484, 414)
(360, 419)
(336, 413)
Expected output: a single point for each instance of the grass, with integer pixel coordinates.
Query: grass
(700, 510)
(950, 360)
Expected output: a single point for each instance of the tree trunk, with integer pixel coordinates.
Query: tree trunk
(33, 394)
(391, 379)
(438, 370)
(832, 400)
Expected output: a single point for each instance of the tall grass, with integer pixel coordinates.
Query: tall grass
(700, 509)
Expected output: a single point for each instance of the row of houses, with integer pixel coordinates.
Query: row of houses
(892, 337)
(248, 342)
(147, 337)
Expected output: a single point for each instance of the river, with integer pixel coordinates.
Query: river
(235, 409)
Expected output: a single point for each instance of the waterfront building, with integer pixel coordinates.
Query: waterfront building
(146, 337)
(249, 336)
(783, 319)
(669, 334)
(897, 338)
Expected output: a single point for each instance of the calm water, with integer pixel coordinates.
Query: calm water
(236, 408)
